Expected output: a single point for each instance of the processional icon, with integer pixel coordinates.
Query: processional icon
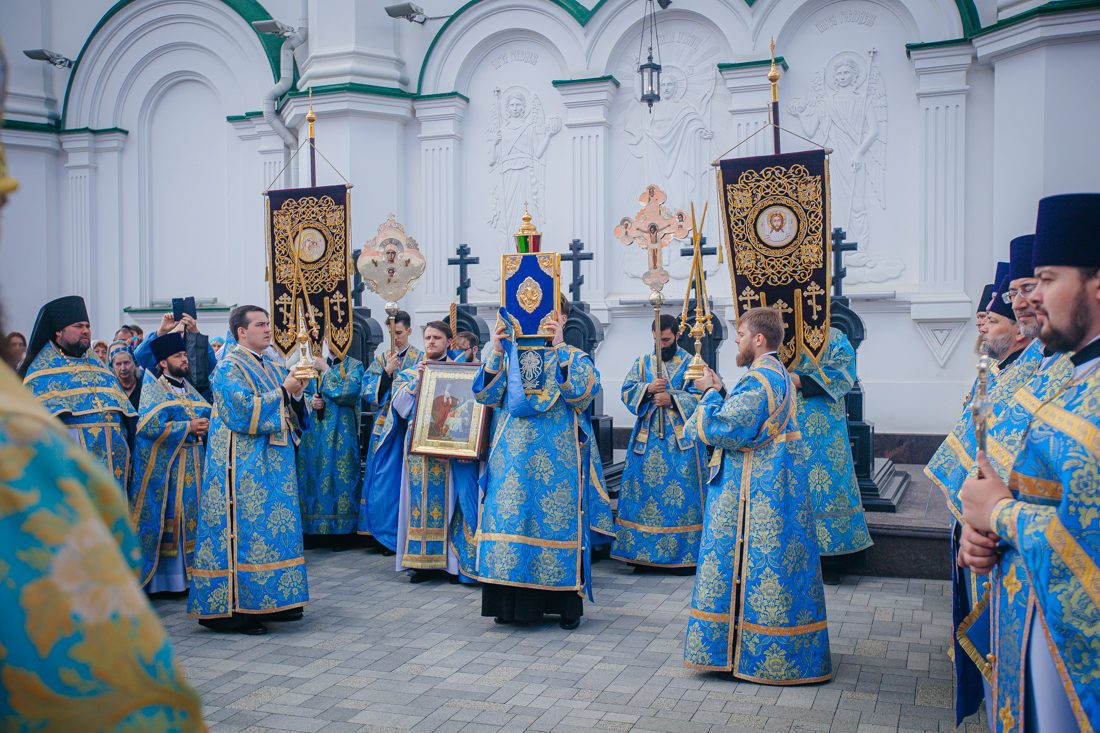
(391, 265)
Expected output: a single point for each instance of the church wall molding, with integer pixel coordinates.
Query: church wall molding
(1054, 22)
(19, 139)
(397, 108)
(248, 10)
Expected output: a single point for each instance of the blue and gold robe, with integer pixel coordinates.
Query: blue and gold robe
(545, 501)
(823, 419)
(661, 498)
(1048, 580)
(382, 474)
(758, 607)
(329, 478)
(434, 486)
(86, 396)
(248, 554)
(168, 468)
(81, 649)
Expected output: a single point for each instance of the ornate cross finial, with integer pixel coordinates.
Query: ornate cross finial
(652, 228)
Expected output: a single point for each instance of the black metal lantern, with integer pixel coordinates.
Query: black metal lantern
(650, 71)
(651, 81)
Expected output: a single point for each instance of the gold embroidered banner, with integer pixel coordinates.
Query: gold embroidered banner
(308, 230)
(775, 222)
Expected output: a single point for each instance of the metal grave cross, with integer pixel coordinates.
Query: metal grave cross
(704, 250)
(839, 270)
(652, 228)
(576, 256)
(463, 261)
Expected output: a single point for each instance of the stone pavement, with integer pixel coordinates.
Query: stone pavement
(376, 654)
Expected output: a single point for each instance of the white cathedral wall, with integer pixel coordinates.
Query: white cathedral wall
(173, 208)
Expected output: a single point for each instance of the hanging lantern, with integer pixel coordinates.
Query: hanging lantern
(650, 71)
(651, 81)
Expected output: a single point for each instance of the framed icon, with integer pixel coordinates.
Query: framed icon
(449, 422)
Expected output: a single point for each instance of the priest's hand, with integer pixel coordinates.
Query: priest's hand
(979, 495)
(662, 399)
(320, 365)
(167, 323)
(554, 326)
(498, 335)
(796, 380)
(709, 380)
(977, 551)
(189, 324)
(317, 403)
(657, 385)
(294, 387)
(392, 362)
(199, 426)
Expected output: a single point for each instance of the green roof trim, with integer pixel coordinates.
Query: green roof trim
(49, 128)
(443, 95)
(779, 60)
(168, 309)
(934, 44)
(1058, 7)
(245, 116)
(250, 10)
(102, 131)
(591, 80)
(353, 89)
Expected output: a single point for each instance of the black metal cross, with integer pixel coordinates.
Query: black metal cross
(839, 270)
(463, 261)
(358, 286)
(704, 251)
(576, 257)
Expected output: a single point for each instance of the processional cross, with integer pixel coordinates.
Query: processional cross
(391, 264)
(652, 229)
(576, 256)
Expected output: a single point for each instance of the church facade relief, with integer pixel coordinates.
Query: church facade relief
(846, 109)
(519, 134)
(673, 145)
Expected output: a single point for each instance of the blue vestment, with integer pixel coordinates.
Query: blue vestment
(758, 608)
(545, 502)
(660, 517)
(83, 394)
(248, 555)
(329, 478)
(378, 505)
(823, 419)
(168, 466)
(81, 649)
(1048, 581)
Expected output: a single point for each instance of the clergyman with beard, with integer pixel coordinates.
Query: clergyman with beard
(169, 455)
(68, 379)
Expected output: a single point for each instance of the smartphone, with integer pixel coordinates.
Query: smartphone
(177, 309)
(181, 306)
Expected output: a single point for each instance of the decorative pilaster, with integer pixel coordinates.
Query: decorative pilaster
(941, 306)
(751, 91)
(440, 118)
(588, 102)
(77, 261)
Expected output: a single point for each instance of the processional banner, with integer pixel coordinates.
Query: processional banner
(775, 222)
(309, 263)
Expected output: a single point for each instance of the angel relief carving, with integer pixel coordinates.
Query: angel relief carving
(519, 133)
(846, 111)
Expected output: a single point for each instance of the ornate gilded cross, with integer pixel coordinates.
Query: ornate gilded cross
(748, 295)
(652, 229)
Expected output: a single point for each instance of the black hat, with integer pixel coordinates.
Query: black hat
(54, 316)
(1002, 273)
(167, 345)
(999, 306)
(1019, 258)
(1067, 231)
(987, 295)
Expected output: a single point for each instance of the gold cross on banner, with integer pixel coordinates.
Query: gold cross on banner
(811, 297)
(748, 295)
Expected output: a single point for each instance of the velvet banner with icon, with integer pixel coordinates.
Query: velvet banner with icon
(775, 217)
(308, 230)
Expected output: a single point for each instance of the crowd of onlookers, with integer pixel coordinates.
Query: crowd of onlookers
(122, 354)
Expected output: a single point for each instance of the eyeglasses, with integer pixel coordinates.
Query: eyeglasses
(1010, 295)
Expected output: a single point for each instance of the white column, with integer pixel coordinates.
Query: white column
(116, 259)
(351, 42)
(941, 306)
(588, 102)
(79, 235)
(751, 91)
(440, 118)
